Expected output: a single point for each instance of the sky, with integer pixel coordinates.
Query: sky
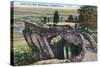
(80, 2)
(55, 5)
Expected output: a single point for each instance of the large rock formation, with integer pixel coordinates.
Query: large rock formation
(51, 43)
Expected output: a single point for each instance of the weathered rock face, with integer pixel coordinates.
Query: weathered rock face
(51, 43)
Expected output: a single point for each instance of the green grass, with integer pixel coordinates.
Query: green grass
(22, 52)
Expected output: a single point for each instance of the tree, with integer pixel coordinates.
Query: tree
(45, 20)
(76, 19)
(56, 17)
(88, 17)
(70, 18)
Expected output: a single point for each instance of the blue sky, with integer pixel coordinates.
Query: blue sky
(74, 2)
(59, 4)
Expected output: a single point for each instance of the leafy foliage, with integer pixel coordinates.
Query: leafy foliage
(22, 55)
(88, 17)
(70, 18)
